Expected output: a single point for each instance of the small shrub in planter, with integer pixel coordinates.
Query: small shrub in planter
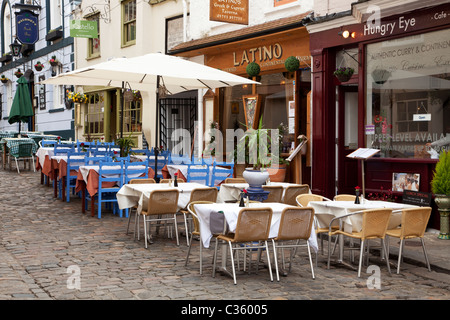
(253, 69)
(292, 64)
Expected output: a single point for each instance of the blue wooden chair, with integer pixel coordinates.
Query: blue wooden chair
(221, 171)
(135, 170)
(109, 172)
(48, 143)
(96, 160)
(73, 165)
(198, 173)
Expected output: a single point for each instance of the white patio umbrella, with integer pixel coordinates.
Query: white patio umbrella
(150, 71)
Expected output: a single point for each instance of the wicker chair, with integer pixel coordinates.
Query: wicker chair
(160, 204)
(275, 195)
(414, 224)
(344, 197)
(235, 180)
(196, 231)
(374, 226)
(179, 180)
(253, 225)
(199, 194)
(295, 225)
(303, 201)
(142, 181)
(291, 193)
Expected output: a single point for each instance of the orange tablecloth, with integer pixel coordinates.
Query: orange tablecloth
(166, 175)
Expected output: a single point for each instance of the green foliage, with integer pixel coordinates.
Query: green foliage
(125, 143)
(292, 64)
(441, 176)
(344, 71)
(253, 69)
(255, 145)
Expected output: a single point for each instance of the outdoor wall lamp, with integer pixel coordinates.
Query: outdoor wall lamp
(15, 48)
(345, 34)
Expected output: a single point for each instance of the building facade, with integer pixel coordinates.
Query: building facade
(231, 35)
(396, 102)
(52, 115)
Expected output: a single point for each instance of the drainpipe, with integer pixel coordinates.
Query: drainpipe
(184, 20)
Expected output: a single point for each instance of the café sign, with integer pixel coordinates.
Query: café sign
(27, 27)
(230, 11)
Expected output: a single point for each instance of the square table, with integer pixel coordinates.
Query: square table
(325, 211)
(231, 213)
(138, 194)
(10, 145)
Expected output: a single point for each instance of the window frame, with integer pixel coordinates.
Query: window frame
(90, 53)
(124, 25)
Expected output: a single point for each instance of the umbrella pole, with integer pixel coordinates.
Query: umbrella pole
(121, 117)
(156, 128)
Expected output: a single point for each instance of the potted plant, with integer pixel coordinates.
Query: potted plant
(344, 74)
(380, 76)
(38, 66)
(53, 61)
(6, 57)
(18, 73)
(125, 143)
(254, 148)
(253, 69)
(4, 79)
(440, 186)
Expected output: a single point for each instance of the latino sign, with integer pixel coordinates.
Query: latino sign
(27, 27)
(231, 11)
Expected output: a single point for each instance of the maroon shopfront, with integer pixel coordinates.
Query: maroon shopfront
(397, 101)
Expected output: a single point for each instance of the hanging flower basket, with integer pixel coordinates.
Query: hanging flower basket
(4, 79)
(380, 76)
(76, 97)
(253, 69)
(18, 73)
(38, 66)
(292, 64)
(344, 74)
(53, 61)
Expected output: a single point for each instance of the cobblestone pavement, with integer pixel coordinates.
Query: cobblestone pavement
(45, 244)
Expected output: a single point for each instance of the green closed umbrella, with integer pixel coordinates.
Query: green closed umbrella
(22, 108)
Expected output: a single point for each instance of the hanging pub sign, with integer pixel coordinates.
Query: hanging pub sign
(231, 11)
(27, 27)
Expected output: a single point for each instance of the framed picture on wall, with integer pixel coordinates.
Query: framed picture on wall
(405, 181)
(252, 106)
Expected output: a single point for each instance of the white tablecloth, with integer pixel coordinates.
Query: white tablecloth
(231, 191)
(326, 210)
(46, 151)
(84, 170)
(138, 194)
(231, 212)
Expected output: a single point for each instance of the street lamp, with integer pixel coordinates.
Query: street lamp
(15, 48)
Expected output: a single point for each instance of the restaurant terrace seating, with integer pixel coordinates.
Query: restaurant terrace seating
(374, 226)
(344, 197)
(195, 232)
(292, 192)
(414, 224)
(275, 195)
(162, 206)
(295, 225)
(253, 225)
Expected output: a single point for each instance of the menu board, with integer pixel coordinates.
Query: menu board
(252, 105)
(230, 11)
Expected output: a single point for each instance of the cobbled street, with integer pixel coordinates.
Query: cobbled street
(50, 250)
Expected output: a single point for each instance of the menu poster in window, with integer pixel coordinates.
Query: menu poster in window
(252, 106)
(405, 181)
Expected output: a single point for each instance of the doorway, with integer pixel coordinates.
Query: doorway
(347, 139)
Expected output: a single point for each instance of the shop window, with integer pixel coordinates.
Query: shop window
(94, 43)
(277, 107)
(128, 22)
(132, 120)
(94, 124)
(408, 96)
(277, 3)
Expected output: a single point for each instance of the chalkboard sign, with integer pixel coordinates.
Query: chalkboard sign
(417, 198)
